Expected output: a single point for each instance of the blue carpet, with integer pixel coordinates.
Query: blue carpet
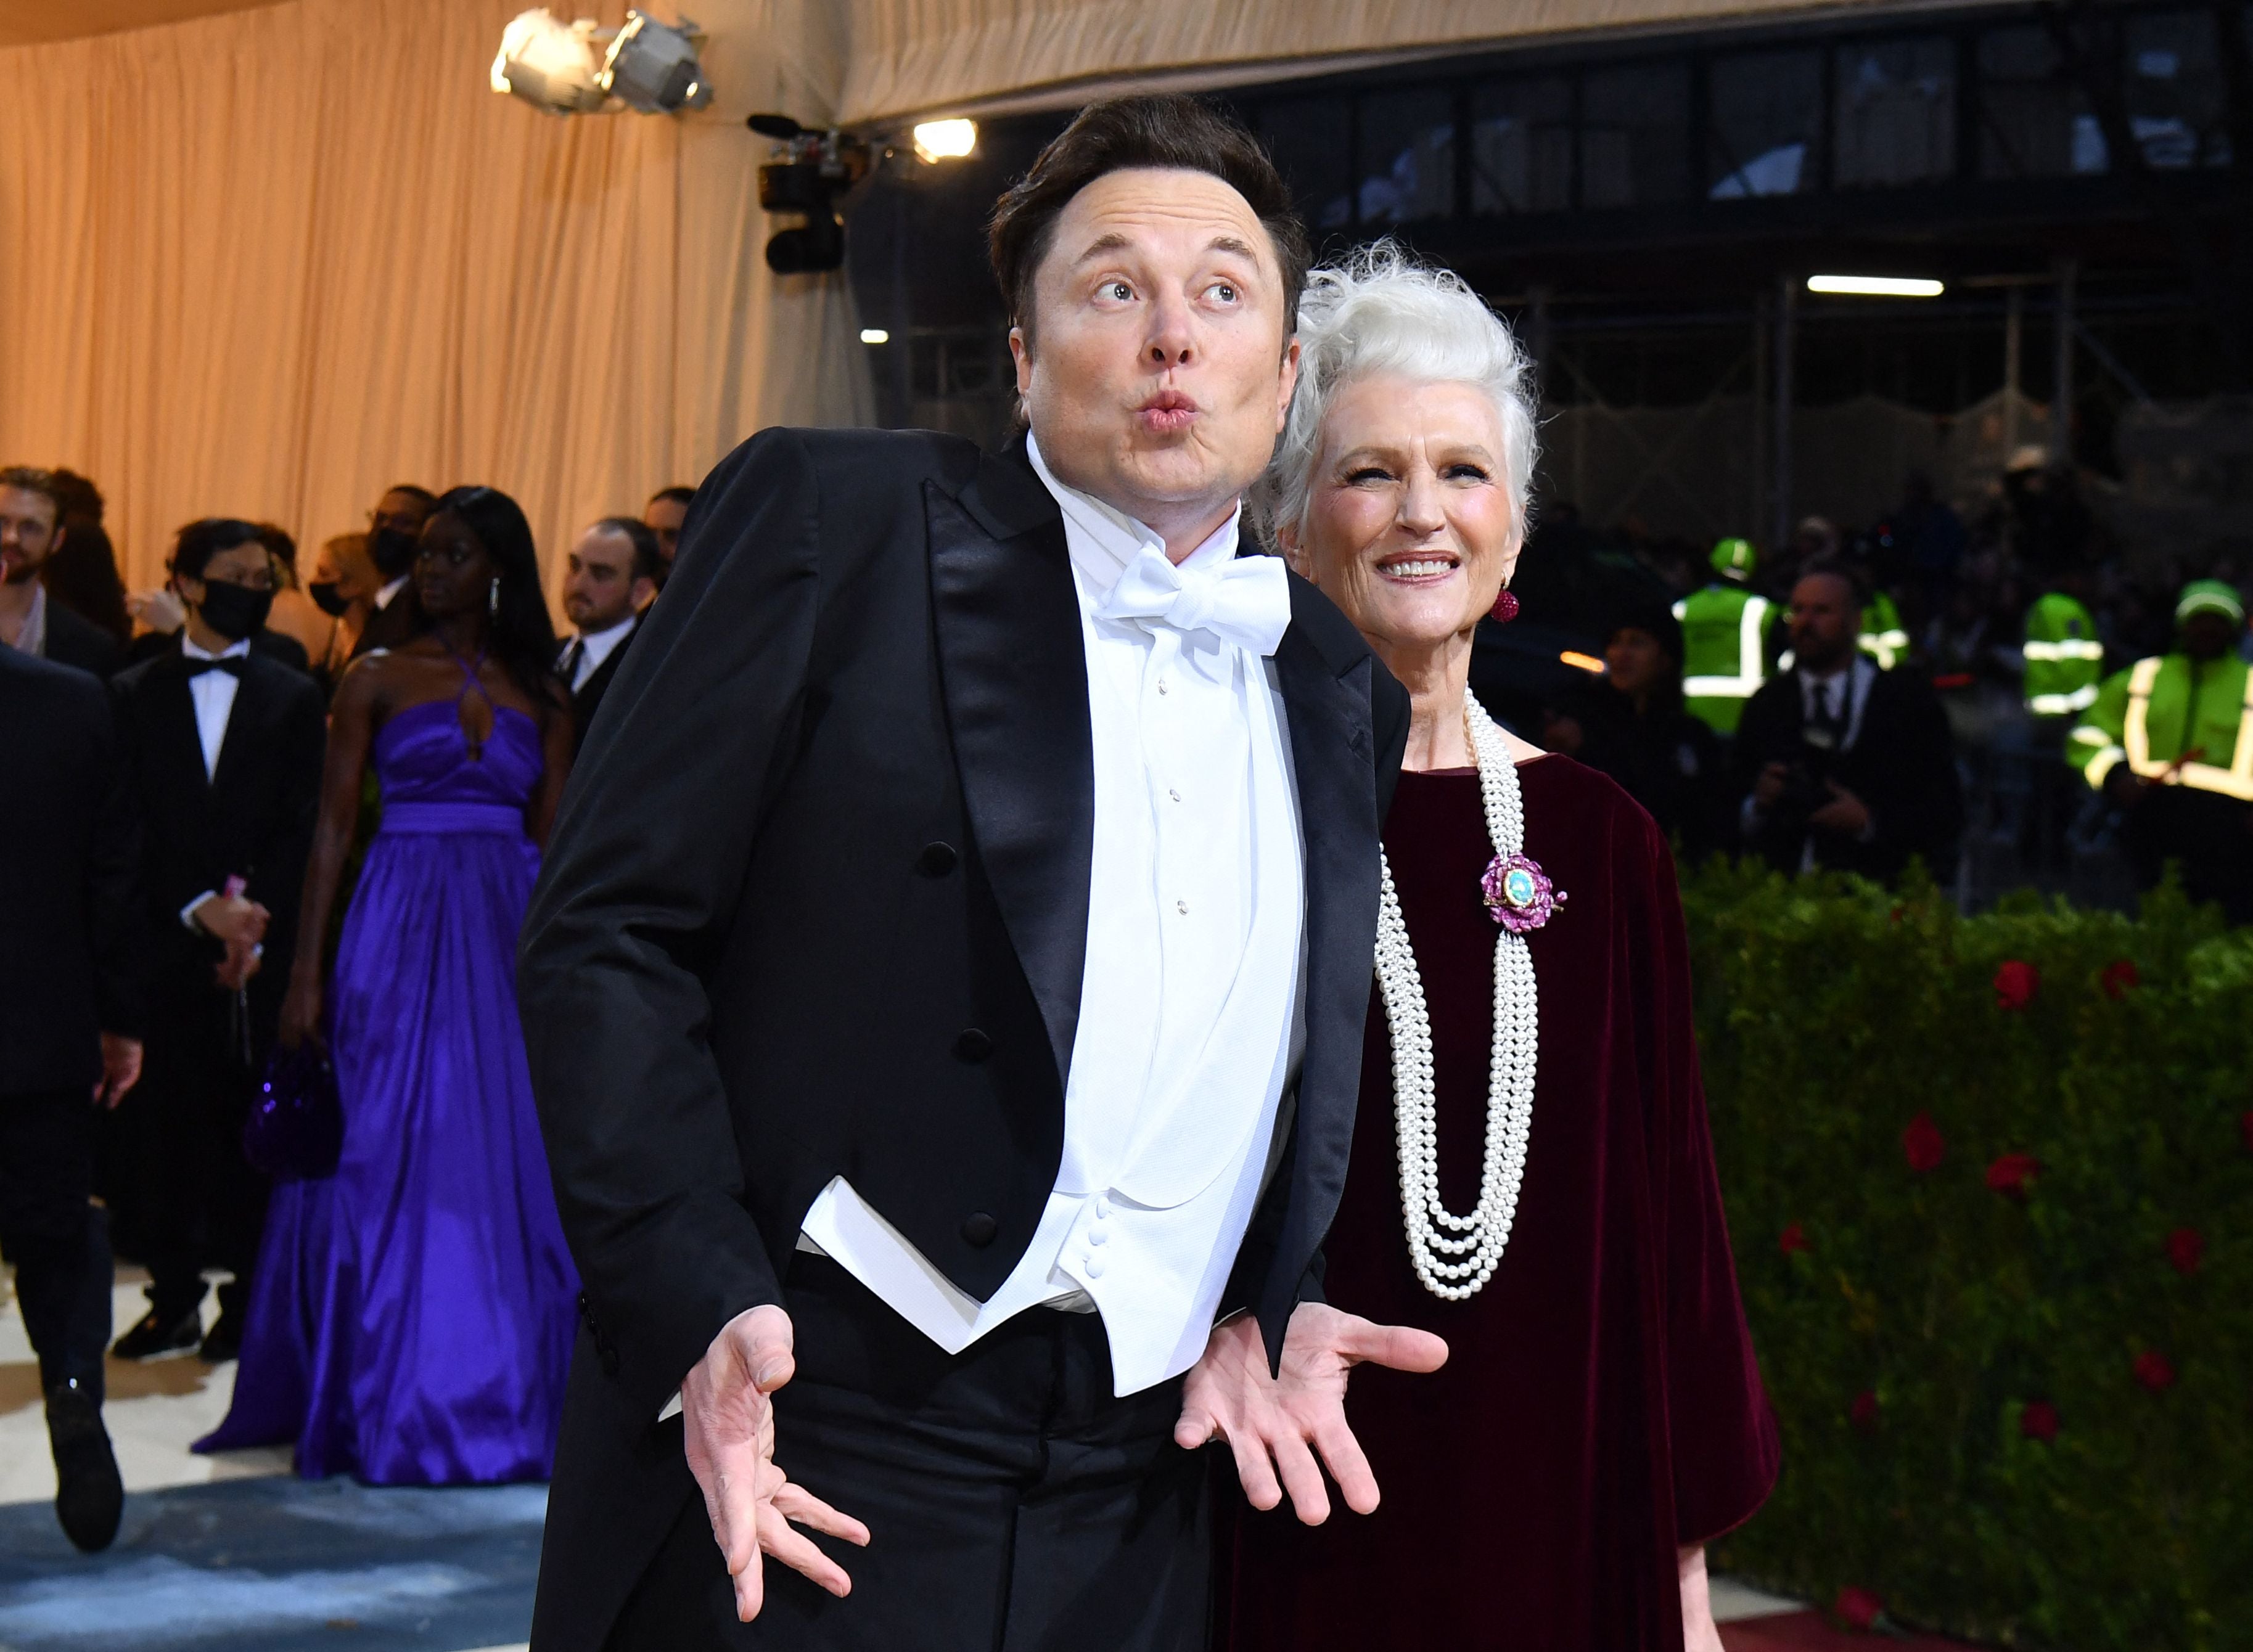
(279, 1565)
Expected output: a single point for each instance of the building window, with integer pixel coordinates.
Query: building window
(1311, 140)
(1522, 147)
(2177, 107)
(1767, 132)
(2035, 121)
(1407, 156)
(1895, 120)
(1634, 136)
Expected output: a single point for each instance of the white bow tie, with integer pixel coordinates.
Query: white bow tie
(1246, 601)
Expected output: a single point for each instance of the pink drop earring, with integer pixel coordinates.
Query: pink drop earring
(1506, 606)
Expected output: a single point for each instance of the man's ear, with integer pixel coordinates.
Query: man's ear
(1021, 352)
(642, 593)
(1294, 554)
(1287, 381)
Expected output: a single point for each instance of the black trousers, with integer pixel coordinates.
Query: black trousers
(1013, 1504)
(198, 1203)
(51, 1231)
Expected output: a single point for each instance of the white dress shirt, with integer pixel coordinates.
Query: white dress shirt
(214, 693)
(383, 596)
(1194, 975)
(590, 649)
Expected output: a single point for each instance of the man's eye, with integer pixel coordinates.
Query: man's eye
(1224, 291)
(1117, 290)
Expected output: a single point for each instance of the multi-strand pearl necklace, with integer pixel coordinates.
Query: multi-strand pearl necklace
(1453, 1255)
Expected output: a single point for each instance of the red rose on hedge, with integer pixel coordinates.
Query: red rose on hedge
(1863, 1410)
(1795, 1238)
(2013, 1174)
(2015, 985)
(2038, 1421)
(2185, 1249)
(1859, 1608)
(1922, 1142)
(2153, 1371)
(2118, 977)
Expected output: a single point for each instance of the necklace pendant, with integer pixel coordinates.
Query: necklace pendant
(1518, 893)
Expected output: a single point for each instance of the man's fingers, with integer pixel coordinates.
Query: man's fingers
(1400, 1347)
(1348, 1463)
(1302, 1478)
(750, 1588)
(800, 1553)
(1195, 1428)
(1254, 1472)
(800, 1505)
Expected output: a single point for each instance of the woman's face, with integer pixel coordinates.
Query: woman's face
(1635, 660)
(1409, 524)
(452, 573)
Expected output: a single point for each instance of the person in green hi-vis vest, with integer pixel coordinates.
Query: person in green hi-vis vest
(1883, 639)
(2064, 661)
(2170, 740)
(1725, 639)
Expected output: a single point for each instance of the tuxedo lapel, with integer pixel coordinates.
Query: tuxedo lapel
(1327, 700)
(1014, 675)
(179, 745)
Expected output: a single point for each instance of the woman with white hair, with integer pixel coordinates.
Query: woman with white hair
(1531, 1109)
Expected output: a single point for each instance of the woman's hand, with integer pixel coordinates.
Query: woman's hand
(301, 1010)
(1699, 1632)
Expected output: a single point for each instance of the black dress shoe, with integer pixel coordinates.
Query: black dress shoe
(89, 1494)
(155, 1337)
(224, 1340)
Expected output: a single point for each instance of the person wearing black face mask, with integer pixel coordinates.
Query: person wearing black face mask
(224, 747)
(394, 535)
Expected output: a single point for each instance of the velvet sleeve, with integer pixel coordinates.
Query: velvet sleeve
(1721, 1430)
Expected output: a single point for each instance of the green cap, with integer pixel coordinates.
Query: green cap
(2210, 596)
(1734, 559)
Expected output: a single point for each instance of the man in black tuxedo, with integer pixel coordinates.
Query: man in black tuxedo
(70, 1020)
(224, 746)
(611, 577)
(1842, 765)
(945, 984)
(31, 532)
(394, 533)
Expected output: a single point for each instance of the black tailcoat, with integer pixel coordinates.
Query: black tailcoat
(816, 905)
(587, 697)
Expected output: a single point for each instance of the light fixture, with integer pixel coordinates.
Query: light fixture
(1580, 661)
(652, 66)
(874, 336)
(1877, 286)
(549, 63)
(945, 140)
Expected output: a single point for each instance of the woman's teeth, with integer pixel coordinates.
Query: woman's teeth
(1418, 571)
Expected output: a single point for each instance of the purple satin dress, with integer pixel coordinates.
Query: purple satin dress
(412, 1315)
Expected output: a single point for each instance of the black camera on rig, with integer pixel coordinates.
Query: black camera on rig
(811, 171)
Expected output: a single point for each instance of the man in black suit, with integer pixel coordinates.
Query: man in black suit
(224, 747)
(1842, 765)
(611, 578)
(395, 533)
(666, 509)
(31, 532)
(945, 987)
(70, 1022)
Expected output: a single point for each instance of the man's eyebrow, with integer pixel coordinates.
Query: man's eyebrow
(1110, 242)
(1235, 244)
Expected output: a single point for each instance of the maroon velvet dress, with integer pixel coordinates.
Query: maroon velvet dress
(1600, 1405)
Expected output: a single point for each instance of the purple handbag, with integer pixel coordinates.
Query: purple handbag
(296, 1129)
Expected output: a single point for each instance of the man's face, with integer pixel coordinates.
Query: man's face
(1157, 372)
(664, 518)
(1635, 660)
(1825, 625)
(406, 513)
(2206, 635)
(599, 588)
(28, 534)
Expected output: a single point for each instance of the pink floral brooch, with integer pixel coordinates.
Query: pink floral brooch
(1519, 893)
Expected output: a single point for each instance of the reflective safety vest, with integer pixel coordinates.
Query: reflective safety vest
(2173, 720)
(1724, 652)
(2064, 660)
(1883, 639)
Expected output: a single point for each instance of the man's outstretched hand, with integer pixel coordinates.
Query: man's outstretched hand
(730, 1440)
(1274, 1425)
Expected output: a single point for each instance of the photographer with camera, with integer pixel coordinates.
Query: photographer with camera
(1843, 765)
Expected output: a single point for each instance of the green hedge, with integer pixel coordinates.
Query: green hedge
(2016, 1385)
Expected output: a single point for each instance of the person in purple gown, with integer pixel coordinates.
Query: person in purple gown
(412, 1314)
(1530, 1078)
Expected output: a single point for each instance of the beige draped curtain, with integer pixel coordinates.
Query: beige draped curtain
(266, 263)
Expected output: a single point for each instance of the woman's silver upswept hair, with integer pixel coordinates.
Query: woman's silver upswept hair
(1381, 312)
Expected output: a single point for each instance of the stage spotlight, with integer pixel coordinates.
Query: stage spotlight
(652, 66)
(548, 63)
(1877, 286)
(874, 336)
(945, 140)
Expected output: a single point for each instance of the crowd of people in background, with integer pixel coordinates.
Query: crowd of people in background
(398, 719)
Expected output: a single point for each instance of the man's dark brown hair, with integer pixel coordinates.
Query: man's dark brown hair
(31, 479)
(1122, 133)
